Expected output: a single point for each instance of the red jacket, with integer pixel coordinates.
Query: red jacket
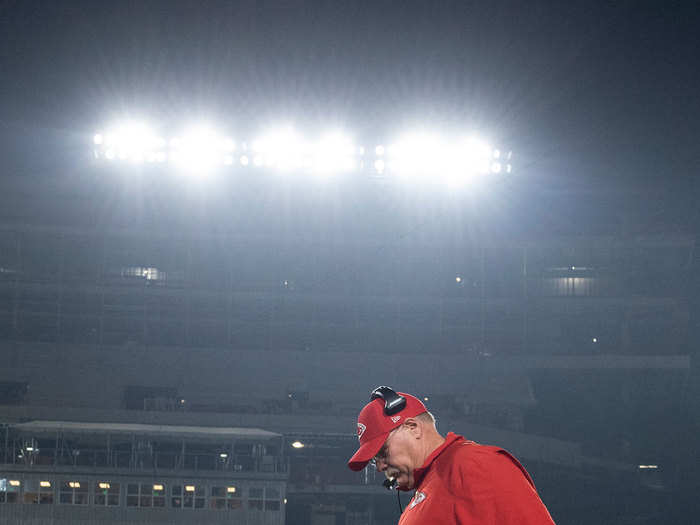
(465, 483)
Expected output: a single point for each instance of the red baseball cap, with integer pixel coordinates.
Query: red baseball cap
(374, 426)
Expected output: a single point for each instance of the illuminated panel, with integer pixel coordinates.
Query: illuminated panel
(130, 141)
(430, 155)
(200, 149)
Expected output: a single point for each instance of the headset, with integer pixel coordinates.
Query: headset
(393, 402)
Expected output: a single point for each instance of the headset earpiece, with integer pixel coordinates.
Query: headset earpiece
(393, 402)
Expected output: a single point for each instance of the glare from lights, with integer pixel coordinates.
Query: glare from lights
(648, 466)
(476, 155)
(455, 182)
(158, 487)
(452, 159)
(333, 153)
(430, 156)
(104, 485)
(15, 483)
(595, 339)
(74, 484)
(45, 484)
(223, 455)
(458, 279)
(231, 490)
(415, 154)
(280, 148)
(199, 150)
(189, 488)
(132, 141)
(298, 444)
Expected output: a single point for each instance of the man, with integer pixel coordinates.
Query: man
(456, 481)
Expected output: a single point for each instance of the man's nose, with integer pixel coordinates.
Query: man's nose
(381, 465)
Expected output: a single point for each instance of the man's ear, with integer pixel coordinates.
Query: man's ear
(414, 426)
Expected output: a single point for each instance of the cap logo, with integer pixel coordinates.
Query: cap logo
(360, 430)
(394, 419)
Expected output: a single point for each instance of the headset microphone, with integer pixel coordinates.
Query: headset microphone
(391, 483)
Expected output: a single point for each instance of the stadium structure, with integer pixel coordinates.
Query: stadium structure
(194, 349)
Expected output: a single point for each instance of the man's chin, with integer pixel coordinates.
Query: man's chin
(405, 484)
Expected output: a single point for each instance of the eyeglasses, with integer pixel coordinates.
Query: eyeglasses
(381, 455)
(384, 451)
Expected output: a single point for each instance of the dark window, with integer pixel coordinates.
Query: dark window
(39, 492)
(10, 490)
(255, 498)
(222, 498)
(107, 494)
(74, 492)
(145, 495)
(188, 496)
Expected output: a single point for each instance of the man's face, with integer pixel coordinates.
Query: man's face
(396, 458)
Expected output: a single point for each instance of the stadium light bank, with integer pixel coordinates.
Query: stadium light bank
(201, 149)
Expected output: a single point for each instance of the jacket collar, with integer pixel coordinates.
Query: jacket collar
(420, 472)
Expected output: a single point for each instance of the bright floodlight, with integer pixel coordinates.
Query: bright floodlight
(422, 155)
(132, 141)
(199, 150)
(281, 148)
(473, 156)
(415, 154)
(333, 153)
(431, 156)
